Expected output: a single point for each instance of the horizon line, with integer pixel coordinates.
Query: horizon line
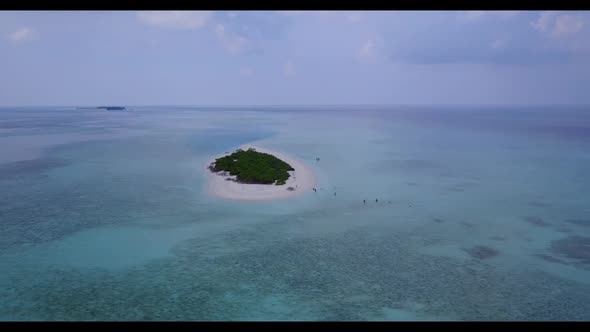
(296, 105)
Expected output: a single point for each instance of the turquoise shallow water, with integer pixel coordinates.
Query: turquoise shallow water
(482, 214)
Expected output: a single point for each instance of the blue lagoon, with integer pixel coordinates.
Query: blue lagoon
(441, 213)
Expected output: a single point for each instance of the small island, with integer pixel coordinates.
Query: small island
(107, 108)
(253, 167)
(112, 108)
(253, 173)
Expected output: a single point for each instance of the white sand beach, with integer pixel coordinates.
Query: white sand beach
(302, 179)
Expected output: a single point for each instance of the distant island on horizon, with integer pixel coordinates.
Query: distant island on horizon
(108, 108)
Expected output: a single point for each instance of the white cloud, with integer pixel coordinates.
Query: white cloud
(567, 25)
(246, 71)
(472, 15)
(558, 25)
(354, 17)
(306, 12)
(232, 42)
(367, 49)
(183, 20)
(370, 49)
(476, 15)
(289, 68)
(291, 12)
(499, 43)
(22, 35)
(508, 13)
(188, 20)
(544, 21)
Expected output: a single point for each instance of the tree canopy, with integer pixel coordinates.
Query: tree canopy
(253, 167)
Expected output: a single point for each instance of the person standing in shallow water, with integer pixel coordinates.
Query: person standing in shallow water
(364, 201)
(376, 200)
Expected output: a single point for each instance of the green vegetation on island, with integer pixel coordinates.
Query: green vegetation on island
(253, 167)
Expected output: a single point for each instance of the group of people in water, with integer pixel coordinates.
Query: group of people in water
(364, 200)
(376, 201)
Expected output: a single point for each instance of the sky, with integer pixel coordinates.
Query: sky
(294, 57)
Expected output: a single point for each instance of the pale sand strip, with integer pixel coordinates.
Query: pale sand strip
(302, 179)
